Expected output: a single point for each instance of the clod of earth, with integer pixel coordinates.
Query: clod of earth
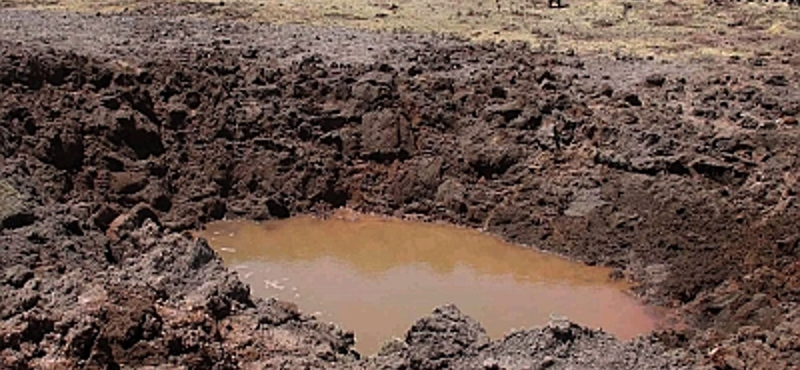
(14, 213)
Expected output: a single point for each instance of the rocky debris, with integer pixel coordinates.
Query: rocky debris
(128, 183)
(169, 302)
(17, 276)
(130, 221)
(62, 149)
(509, 111)
(433, 342)
(137, 131)
(449, 340)
(14, 213)
(684, 182)
(452, 195)
(584, 203)
(385, 136)
(656, 80)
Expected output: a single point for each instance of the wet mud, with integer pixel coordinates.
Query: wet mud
(121, 133)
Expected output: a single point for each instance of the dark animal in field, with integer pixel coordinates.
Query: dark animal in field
(550, 3)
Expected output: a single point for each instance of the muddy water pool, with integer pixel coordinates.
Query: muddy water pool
(377, 276)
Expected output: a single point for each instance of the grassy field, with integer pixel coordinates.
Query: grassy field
(665, 28)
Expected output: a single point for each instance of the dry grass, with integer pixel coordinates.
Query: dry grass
(689, 28)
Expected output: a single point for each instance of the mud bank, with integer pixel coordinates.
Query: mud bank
(685, 181)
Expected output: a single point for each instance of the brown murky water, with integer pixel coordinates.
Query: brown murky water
(376, 276)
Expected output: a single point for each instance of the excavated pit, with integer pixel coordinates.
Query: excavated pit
(120, 133)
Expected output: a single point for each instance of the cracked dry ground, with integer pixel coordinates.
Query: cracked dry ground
(121, 133)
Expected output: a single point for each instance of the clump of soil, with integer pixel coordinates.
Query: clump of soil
(685, 181)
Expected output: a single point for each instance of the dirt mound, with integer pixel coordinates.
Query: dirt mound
(685, 182)
(449, 340)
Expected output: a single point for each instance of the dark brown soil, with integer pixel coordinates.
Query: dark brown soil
(119, 133)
